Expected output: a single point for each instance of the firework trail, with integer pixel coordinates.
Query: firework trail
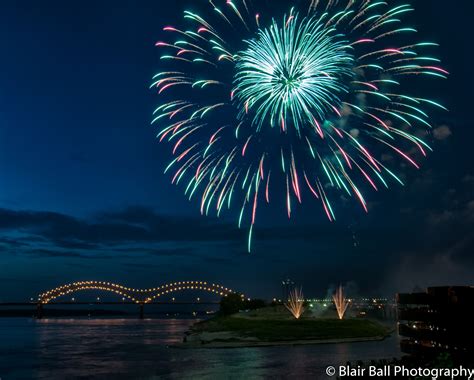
(307, 103)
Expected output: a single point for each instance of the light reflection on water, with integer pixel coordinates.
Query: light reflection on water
(134, 349)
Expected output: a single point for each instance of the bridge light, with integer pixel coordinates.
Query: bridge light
(173, 299)
(198, 299)
(98, 298)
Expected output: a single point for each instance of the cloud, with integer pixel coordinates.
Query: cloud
(12, 243)
(354, 133)
(41, 252)
(136, 224)
(136, 232)
(387, 157)
(137, 229)
(132, 232)
(442, 132)
(469, 179)
(446, 267)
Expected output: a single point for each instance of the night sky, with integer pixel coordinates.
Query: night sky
(83, 195)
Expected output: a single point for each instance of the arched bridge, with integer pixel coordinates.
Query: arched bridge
(139, 296)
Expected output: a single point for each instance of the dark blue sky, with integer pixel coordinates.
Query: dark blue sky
(82, 194)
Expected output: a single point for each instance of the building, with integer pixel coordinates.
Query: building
(437, 321)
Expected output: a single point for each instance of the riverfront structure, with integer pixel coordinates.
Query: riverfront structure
(439, 320)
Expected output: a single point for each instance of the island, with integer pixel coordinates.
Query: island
(272, 326)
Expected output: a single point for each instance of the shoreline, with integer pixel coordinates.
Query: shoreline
(258, 343)
(206, 335)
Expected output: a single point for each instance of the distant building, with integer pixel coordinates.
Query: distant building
(436, 321)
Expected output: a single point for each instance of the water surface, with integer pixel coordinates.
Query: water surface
(140, 349)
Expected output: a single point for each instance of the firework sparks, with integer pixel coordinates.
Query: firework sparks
(256, 103)
(340, 302)
(292, 75)
(295, 303)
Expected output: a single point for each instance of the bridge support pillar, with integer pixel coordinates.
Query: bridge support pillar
(39, 310)
(142, 311)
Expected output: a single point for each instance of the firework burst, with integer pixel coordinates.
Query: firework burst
(308, 105)
(292, 75)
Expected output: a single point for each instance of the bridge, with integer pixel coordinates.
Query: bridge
(132, 295)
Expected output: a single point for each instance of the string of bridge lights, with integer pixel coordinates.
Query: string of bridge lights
(132, 294)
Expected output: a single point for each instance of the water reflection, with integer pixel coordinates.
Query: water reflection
(130, 348)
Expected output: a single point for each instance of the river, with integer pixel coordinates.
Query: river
(140, 349)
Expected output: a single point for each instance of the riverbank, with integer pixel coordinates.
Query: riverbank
(259, 329)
